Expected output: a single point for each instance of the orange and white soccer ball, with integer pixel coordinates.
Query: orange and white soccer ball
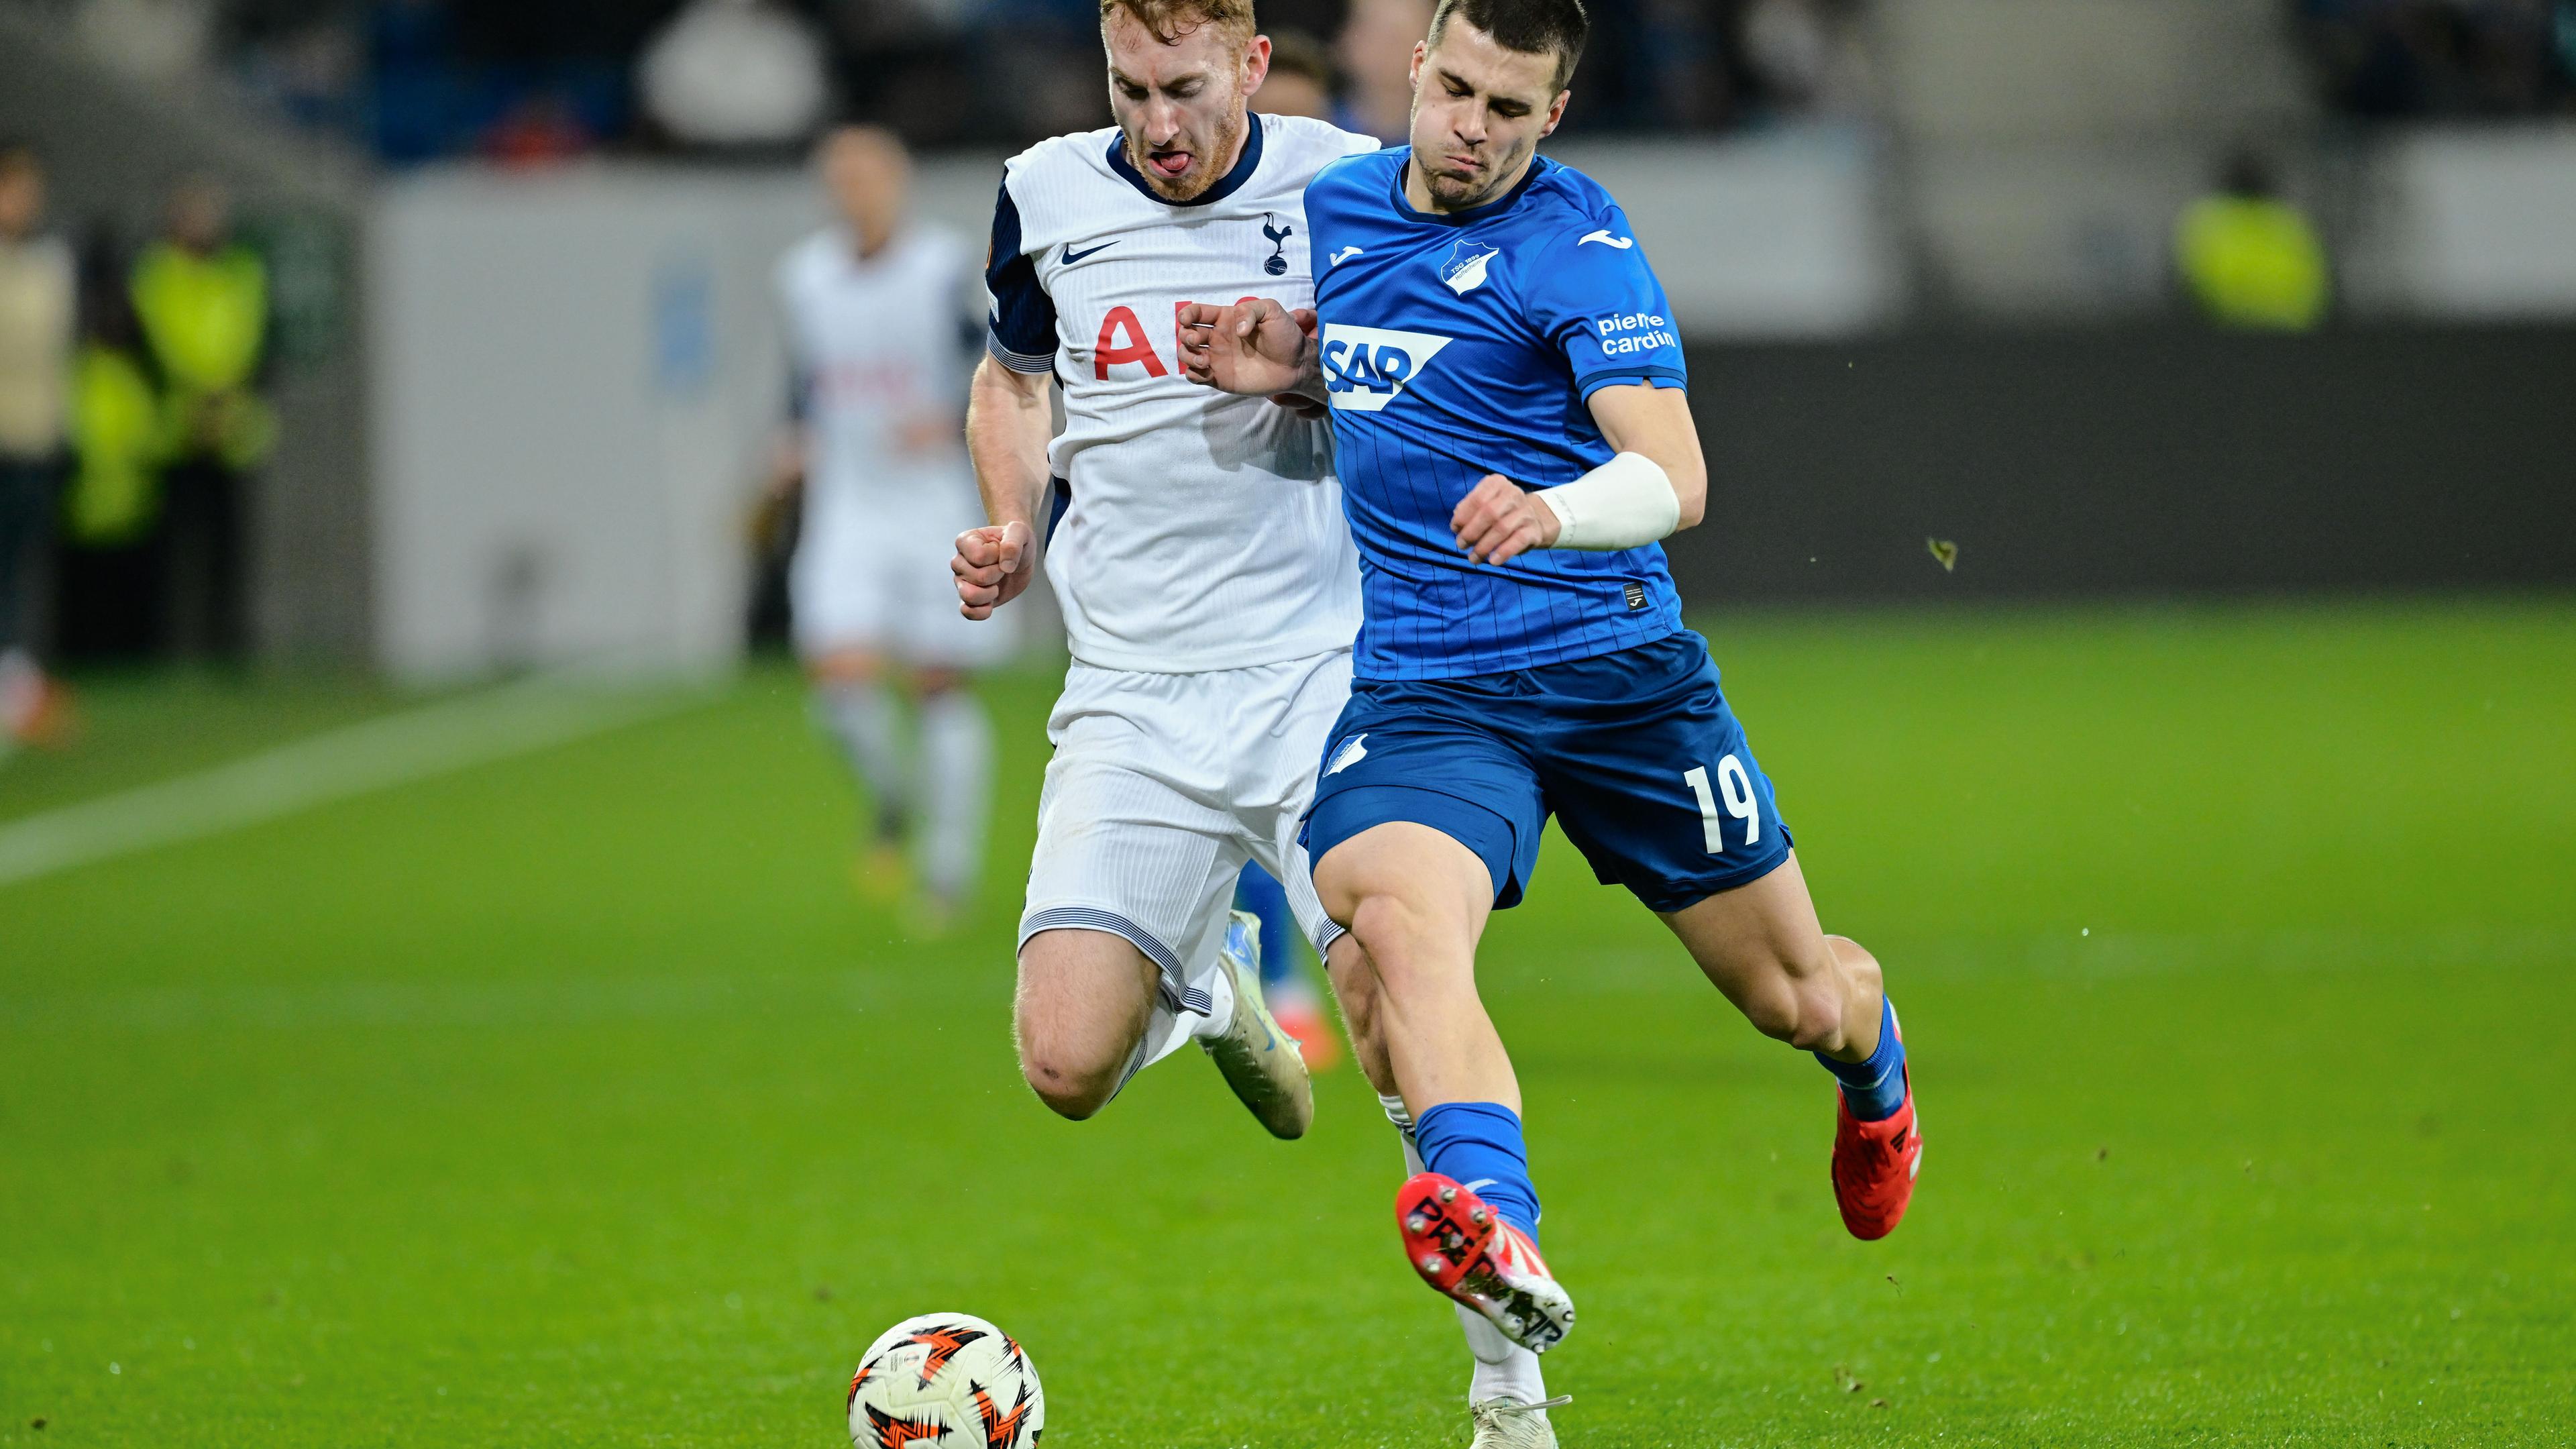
(946, 1381)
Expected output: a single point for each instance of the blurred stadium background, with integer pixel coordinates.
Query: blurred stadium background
(526, 358)
(2145, 522)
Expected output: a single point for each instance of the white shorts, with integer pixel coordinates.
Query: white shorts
(1162, 786)
(871, 572)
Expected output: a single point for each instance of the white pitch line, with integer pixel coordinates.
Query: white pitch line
(394, 750)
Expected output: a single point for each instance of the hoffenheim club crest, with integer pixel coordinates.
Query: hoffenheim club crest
(1464, 266)
(1465, 269)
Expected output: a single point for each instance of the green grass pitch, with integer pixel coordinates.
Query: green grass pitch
(576, 1099)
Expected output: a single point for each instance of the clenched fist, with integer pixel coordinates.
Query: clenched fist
(993, 564)
(1499, 521)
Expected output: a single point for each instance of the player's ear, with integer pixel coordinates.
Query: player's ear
(1421, 53)
(1555, 114)
(1256, 63)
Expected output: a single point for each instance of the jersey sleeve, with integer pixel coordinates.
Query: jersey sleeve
(1021, 328)
(1594, 296)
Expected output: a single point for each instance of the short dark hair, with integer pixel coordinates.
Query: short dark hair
(1532, 27)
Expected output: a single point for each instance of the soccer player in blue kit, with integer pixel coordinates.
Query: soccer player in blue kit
(1514, 439)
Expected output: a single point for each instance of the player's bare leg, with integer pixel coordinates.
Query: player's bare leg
(1087, 1021)
(1507, 1390)
(1761, 945)
(1354, 979)
(855, 701)
(1084, 1001)
(1417, 902)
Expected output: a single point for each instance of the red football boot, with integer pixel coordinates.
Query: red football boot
(1465, 1249)
(1875, 1164)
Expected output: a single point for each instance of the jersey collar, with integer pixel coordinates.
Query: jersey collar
(1226, 185)
(1539, 165)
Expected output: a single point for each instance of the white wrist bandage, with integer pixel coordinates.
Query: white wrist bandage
(1627, 502)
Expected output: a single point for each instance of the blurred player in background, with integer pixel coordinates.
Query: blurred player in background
(206, 307)
(1208, 583)
(2249, 258)
(1375, 52)
(878, 313)
(37, 291)
(1507, 390)
(1301, 83)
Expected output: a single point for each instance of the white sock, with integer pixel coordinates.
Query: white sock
(864, 718)
(1504, 1369)
(1165, 1033)
(1219, 985)
(1402, 1118)
(956, 786)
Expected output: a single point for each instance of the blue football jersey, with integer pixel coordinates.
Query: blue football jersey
(1465, 344)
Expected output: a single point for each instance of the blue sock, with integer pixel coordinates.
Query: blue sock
(1479, 1144)
(1257, 891)
(1874, 1088)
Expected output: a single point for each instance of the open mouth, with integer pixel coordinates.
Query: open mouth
(1169, 165)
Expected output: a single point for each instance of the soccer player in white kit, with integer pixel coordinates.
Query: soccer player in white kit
(1208, 583)
(877, 311)
(1209, 586)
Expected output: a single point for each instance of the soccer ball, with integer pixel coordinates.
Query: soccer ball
(949, 1381)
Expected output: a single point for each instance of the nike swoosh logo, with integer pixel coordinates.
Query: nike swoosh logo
(1345, 254)
(1604, 237)
(1072, 257)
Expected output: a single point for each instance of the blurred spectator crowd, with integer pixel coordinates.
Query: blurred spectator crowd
(134, 413)
(529, 80)
(2397, 59)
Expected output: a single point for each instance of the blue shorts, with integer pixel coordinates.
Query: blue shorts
(1634, 752)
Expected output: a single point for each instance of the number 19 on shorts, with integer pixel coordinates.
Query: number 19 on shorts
(1737, 788)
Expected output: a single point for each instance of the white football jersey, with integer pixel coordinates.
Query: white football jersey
(1204, 531)
(877, 345)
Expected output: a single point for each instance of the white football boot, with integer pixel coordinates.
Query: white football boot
(1258, 1060)
(1511, 1424)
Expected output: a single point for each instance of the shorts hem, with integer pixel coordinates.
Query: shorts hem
(1665, 898)
(1498, 846)
(1331, 931)
(1173, 989)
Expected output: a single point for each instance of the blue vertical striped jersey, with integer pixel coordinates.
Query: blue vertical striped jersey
(1465, 344)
